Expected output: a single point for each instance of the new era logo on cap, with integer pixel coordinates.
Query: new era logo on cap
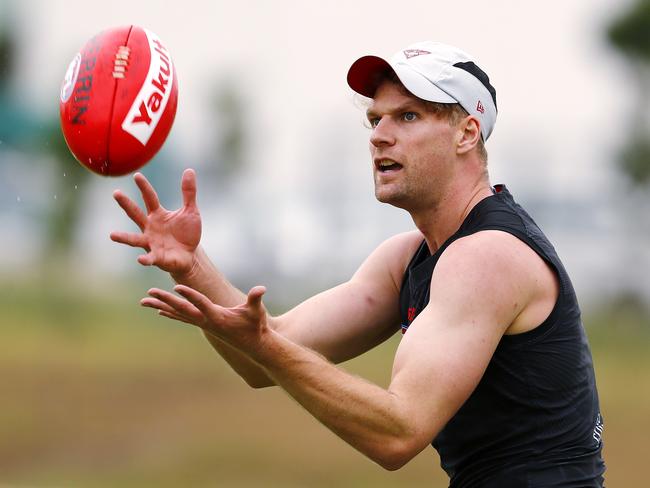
(480, 107)
(411, 53)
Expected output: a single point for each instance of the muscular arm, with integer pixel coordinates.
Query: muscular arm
(340, 323)
(480, 286)
(438, 364)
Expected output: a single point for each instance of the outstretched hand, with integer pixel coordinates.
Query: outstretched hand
(169, 237)
(241, 326)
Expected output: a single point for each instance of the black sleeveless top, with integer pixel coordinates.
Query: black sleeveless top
(533, 420)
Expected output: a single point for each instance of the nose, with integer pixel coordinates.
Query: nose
(382, 134)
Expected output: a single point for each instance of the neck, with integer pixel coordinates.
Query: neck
(439, 222)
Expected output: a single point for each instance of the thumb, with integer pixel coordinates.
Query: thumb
(188, 188)
(255, 295)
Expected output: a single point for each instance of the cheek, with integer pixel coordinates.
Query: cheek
(435, 145)
(429, 157)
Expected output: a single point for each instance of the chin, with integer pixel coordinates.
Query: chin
(396, 200)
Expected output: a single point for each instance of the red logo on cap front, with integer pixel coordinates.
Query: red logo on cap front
(480, 108)
(411, 53)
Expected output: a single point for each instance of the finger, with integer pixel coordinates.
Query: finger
(179, 305)
(149, 195)
(174, 316)
(254, 299)
(188, 188)
(170, 312)
(147, 259)
(156, 304)
(196, 298)
(131, 208)
(130, 239)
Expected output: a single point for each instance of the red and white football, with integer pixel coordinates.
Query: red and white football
(118, 100)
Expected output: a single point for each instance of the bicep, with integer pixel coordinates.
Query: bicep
(342, 322)
(475, 295)
(353, 317)
(438, 364)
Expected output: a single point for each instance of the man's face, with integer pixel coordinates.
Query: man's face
(412, 149)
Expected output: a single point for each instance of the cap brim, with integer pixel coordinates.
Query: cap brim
(366, 73)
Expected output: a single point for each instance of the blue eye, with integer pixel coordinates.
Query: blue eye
(409, 116)
(374, 122)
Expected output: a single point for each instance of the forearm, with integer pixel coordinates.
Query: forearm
(250, 371)
(369, 418)
(206, 278)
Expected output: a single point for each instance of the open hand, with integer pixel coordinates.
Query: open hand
(169, 237)
(242, 326)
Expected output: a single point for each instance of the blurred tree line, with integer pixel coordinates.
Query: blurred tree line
(37, 135)
(630, 34)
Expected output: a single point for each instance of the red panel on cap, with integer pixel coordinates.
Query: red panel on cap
(366, 74)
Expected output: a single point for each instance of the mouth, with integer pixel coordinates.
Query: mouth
(387, 165)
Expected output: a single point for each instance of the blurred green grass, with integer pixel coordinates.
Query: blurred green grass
(96, 391)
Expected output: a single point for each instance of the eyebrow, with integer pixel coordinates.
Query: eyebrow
(408, 106)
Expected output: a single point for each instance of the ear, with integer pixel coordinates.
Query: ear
(470, 134)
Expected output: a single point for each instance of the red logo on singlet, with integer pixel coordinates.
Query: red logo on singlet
(410, 314)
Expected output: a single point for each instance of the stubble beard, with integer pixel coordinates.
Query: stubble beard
(411, 196)
(397, 195)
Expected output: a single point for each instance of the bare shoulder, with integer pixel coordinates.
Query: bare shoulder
(498, 271)
(488, 248)
(392, 256)
(401, 246)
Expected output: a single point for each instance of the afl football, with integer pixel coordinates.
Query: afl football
(118, 100)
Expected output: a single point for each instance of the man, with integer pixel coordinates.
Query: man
(493, 368)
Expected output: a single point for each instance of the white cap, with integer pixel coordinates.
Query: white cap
(435, 72)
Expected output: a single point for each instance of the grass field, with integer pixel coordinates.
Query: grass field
(97, 392)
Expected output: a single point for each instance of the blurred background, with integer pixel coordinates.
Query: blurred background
(95, 391)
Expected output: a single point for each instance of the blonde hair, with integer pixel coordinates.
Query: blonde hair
(454, 113)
